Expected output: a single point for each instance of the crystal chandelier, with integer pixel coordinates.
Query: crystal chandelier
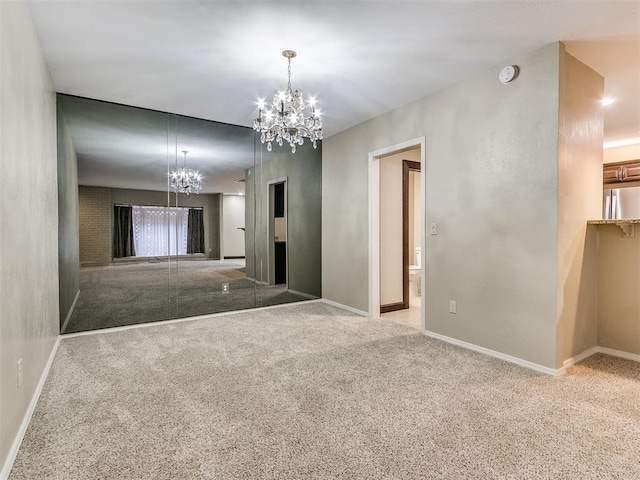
(185, 180)
(285, 118)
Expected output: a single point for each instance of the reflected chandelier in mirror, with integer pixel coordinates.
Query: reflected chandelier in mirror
(184, 180)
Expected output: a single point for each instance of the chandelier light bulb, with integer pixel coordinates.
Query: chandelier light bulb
(288, 118)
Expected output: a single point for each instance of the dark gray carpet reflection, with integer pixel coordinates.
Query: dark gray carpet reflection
(129, 294)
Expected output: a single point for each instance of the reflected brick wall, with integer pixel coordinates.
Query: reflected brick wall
(95, 225)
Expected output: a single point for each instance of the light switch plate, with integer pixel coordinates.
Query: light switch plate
(19, 373)
(453, 306)
(434, 229)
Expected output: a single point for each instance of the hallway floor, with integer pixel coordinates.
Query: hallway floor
(411, 316)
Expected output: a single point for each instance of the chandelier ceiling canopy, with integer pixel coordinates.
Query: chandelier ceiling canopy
(185, 180)
(288, 118)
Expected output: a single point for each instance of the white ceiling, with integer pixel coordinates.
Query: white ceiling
(213, 59)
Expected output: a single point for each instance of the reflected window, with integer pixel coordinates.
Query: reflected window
(160, 231)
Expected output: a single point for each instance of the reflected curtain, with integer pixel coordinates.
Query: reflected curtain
(195, 231)
(123, 244)
(160, 231)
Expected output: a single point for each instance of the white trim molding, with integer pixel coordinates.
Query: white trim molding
(579, 357)
(185, 319)
(534, 366)
(618, 353)
(15, 446)
(344, 307)
(493, 353)
(257, 282)
(604, 350)
(302, 294)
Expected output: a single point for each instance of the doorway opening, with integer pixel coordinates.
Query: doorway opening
(397, 234)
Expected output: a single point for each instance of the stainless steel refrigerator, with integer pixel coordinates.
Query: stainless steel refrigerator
(621, 203)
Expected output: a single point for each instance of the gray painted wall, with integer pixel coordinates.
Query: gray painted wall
(29, 218)
(68, 218)
(491, 186)
(303, 171)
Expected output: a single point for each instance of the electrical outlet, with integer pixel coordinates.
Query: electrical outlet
(434, 229)
(453, 306)
(19, 373)
(225, 288)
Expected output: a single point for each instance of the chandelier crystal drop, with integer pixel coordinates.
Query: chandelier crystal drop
(185, 180)
(288, 118)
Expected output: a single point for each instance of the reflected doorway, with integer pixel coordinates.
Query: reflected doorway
(411, 236)
(278, 258)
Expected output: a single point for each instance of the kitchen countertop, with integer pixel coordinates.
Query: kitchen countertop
(621, 221)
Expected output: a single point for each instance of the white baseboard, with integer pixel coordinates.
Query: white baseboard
(579, 357)
(73, 306)
(302, 294)
(619, 353)
(345, 307)
(258, 282)
(605, 350)
(15, 446)
(185, 319)
(493, 353)
(534, 366)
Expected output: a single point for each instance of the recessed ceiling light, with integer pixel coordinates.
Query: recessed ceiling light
(608, 101)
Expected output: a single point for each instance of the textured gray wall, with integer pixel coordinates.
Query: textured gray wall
(304, 183)
(68, 219)
(491, 186)
(29, 217)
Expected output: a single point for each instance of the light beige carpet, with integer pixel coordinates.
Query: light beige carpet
(310, 391)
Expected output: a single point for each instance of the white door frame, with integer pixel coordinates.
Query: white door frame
(374, 222)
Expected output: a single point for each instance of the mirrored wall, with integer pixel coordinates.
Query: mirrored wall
(136, 247)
